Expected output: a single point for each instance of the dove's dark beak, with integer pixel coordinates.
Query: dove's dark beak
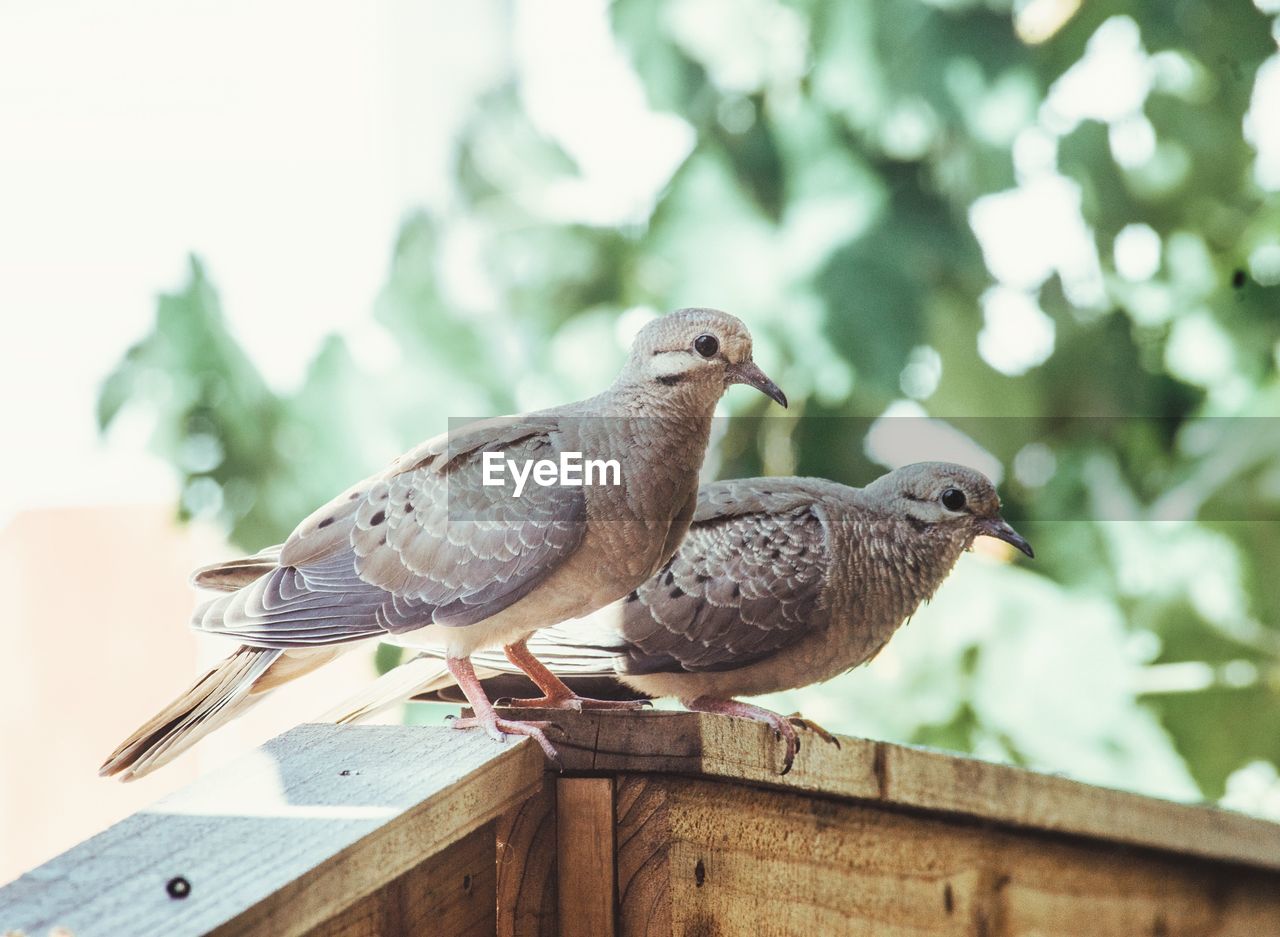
(746, 372)
(999, 528)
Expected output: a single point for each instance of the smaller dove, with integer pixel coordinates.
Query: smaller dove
(780, 583)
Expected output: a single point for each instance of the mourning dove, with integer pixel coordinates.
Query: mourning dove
(427, 551)
(780, 583)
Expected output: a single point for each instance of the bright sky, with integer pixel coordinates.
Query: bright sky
(281, 142)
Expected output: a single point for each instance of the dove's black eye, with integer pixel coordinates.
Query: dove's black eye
(953, 499)
(706, 345)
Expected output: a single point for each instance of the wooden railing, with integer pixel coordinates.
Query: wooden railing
(661, 823)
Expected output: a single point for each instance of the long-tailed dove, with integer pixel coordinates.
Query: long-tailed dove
(780, 583)
(426, 551)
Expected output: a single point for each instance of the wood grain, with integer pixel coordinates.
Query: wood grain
(282, 840)
(698, 857)
(452, 892)
(643, 863)
(699, 744)
(526, 861)
(585, 856)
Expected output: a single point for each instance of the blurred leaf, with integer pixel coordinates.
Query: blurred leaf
(215, 417)
(1203, 724)
(672, 80)
(753, 154)
(387, 657)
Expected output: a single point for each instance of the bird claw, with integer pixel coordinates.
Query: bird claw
(499, 729)
(800, 722)
(785, 731)
(781, 726)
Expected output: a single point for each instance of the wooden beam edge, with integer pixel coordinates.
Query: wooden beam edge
(431, 826)
(282, 838)
(868, 771)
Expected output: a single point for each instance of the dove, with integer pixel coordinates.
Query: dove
(779, 583)
(429, 550)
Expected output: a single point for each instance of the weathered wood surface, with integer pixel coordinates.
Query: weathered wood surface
(283, 840)
(584, 856)
(699, 857)
(452, 892)
(698, 744)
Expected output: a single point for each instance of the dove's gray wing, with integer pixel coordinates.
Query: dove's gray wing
(747, 581)
(423, 543)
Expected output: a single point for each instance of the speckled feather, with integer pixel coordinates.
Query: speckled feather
(747, 581)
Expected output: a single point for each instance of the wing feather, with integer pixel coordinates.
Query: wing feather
(423, 543)
(747, 582)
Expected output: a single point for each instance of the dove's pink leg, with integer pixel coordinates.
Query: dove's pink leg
(555, 694)
(485, 717)
(783, 725)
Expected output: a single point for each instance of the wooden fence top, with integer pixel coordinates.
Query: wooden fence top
(330, 813)
(335, 813)
(906, 777)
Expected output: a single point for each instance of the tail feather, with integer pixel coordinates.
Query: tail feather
(226, 691)
(235, 574)
(423, 674)
(213, 699)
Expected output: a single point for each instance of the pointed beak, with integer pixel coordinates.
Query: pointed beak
(999, 528)
(746, 372)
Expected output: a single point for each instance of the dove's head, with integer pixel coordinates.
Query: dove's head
(946, 500)
(697, 349)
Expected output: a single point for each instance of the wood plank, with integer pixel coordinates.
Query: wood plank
(452, 892)
(283, 839)
(701, 857)
(703, 744)
(585, 856)
(644, 870)
(933, 780)
(526, 861)
(904, 776)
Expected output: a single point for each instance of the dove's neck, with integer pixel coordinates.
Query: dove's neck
(674, 422)
(892, 567)
(660, 440)
(685, 396)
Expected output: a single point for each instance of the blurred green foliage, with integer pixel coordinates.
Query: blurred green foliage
(843, 155)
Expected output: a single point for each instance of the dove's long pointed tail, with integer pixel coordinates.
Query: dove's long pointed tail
(226, 691)
(414, 676)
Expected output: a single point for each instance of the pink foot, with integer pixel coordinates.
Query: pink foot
(499, 729)
(781, 725)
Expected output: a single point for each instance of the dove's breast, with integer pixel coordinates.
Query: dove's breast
(631, 529)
